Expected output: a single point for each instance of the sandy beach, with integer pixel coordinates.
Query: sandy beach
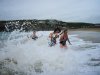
(87, 34)
(86, 29)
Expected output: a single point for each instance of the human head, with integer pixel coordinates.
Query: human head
(58, 30)
(65, 30)
(34, 32)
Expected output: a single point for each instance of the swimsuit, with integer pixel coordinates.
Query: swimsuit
(63, 39)
(34, 38)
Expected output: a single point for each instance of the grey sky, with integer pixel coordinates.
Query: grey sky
(65, 10)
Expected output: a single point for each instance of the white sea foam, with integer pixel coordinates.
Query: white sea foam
(36, 57)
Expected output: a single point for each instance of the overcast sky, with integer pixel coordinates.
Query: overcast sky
(65, 10)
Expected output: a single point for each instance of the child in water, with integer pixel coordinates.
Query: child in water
(34, 36)
(53, 36)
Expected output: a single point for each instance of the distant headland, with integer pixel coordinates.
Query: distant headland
(48, 24)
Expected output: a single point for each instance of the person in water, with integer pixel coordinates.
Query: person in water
(34, 36)
(53, 36)
(64, 38)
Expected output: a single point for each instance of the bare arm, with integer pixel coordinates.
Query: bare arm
(50, 35)
(69, 41)
(61, 37)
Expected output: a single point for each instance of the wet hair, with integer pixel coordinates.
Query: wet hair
(57, 29)
(65, 30)
(34, 31)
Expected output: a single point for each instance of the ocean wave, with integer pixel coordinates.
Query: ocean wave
(23, 56)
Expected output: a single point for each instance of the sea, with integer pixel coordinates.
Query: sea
(21, 55)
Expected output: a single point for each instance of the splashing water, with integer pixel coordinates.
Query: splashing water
(23, 56)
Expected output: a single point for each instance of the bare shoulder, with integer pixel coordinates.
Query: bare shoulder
(50, 35)
(61, 35)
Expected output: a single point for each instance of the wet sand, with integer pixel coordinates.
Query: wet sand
(88, 34)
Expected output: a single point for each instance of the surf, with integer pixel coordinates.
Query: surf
(23, 56)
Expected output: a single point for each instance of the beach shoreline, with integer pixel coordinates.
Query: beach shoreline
(87, 34)
(86, 29)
